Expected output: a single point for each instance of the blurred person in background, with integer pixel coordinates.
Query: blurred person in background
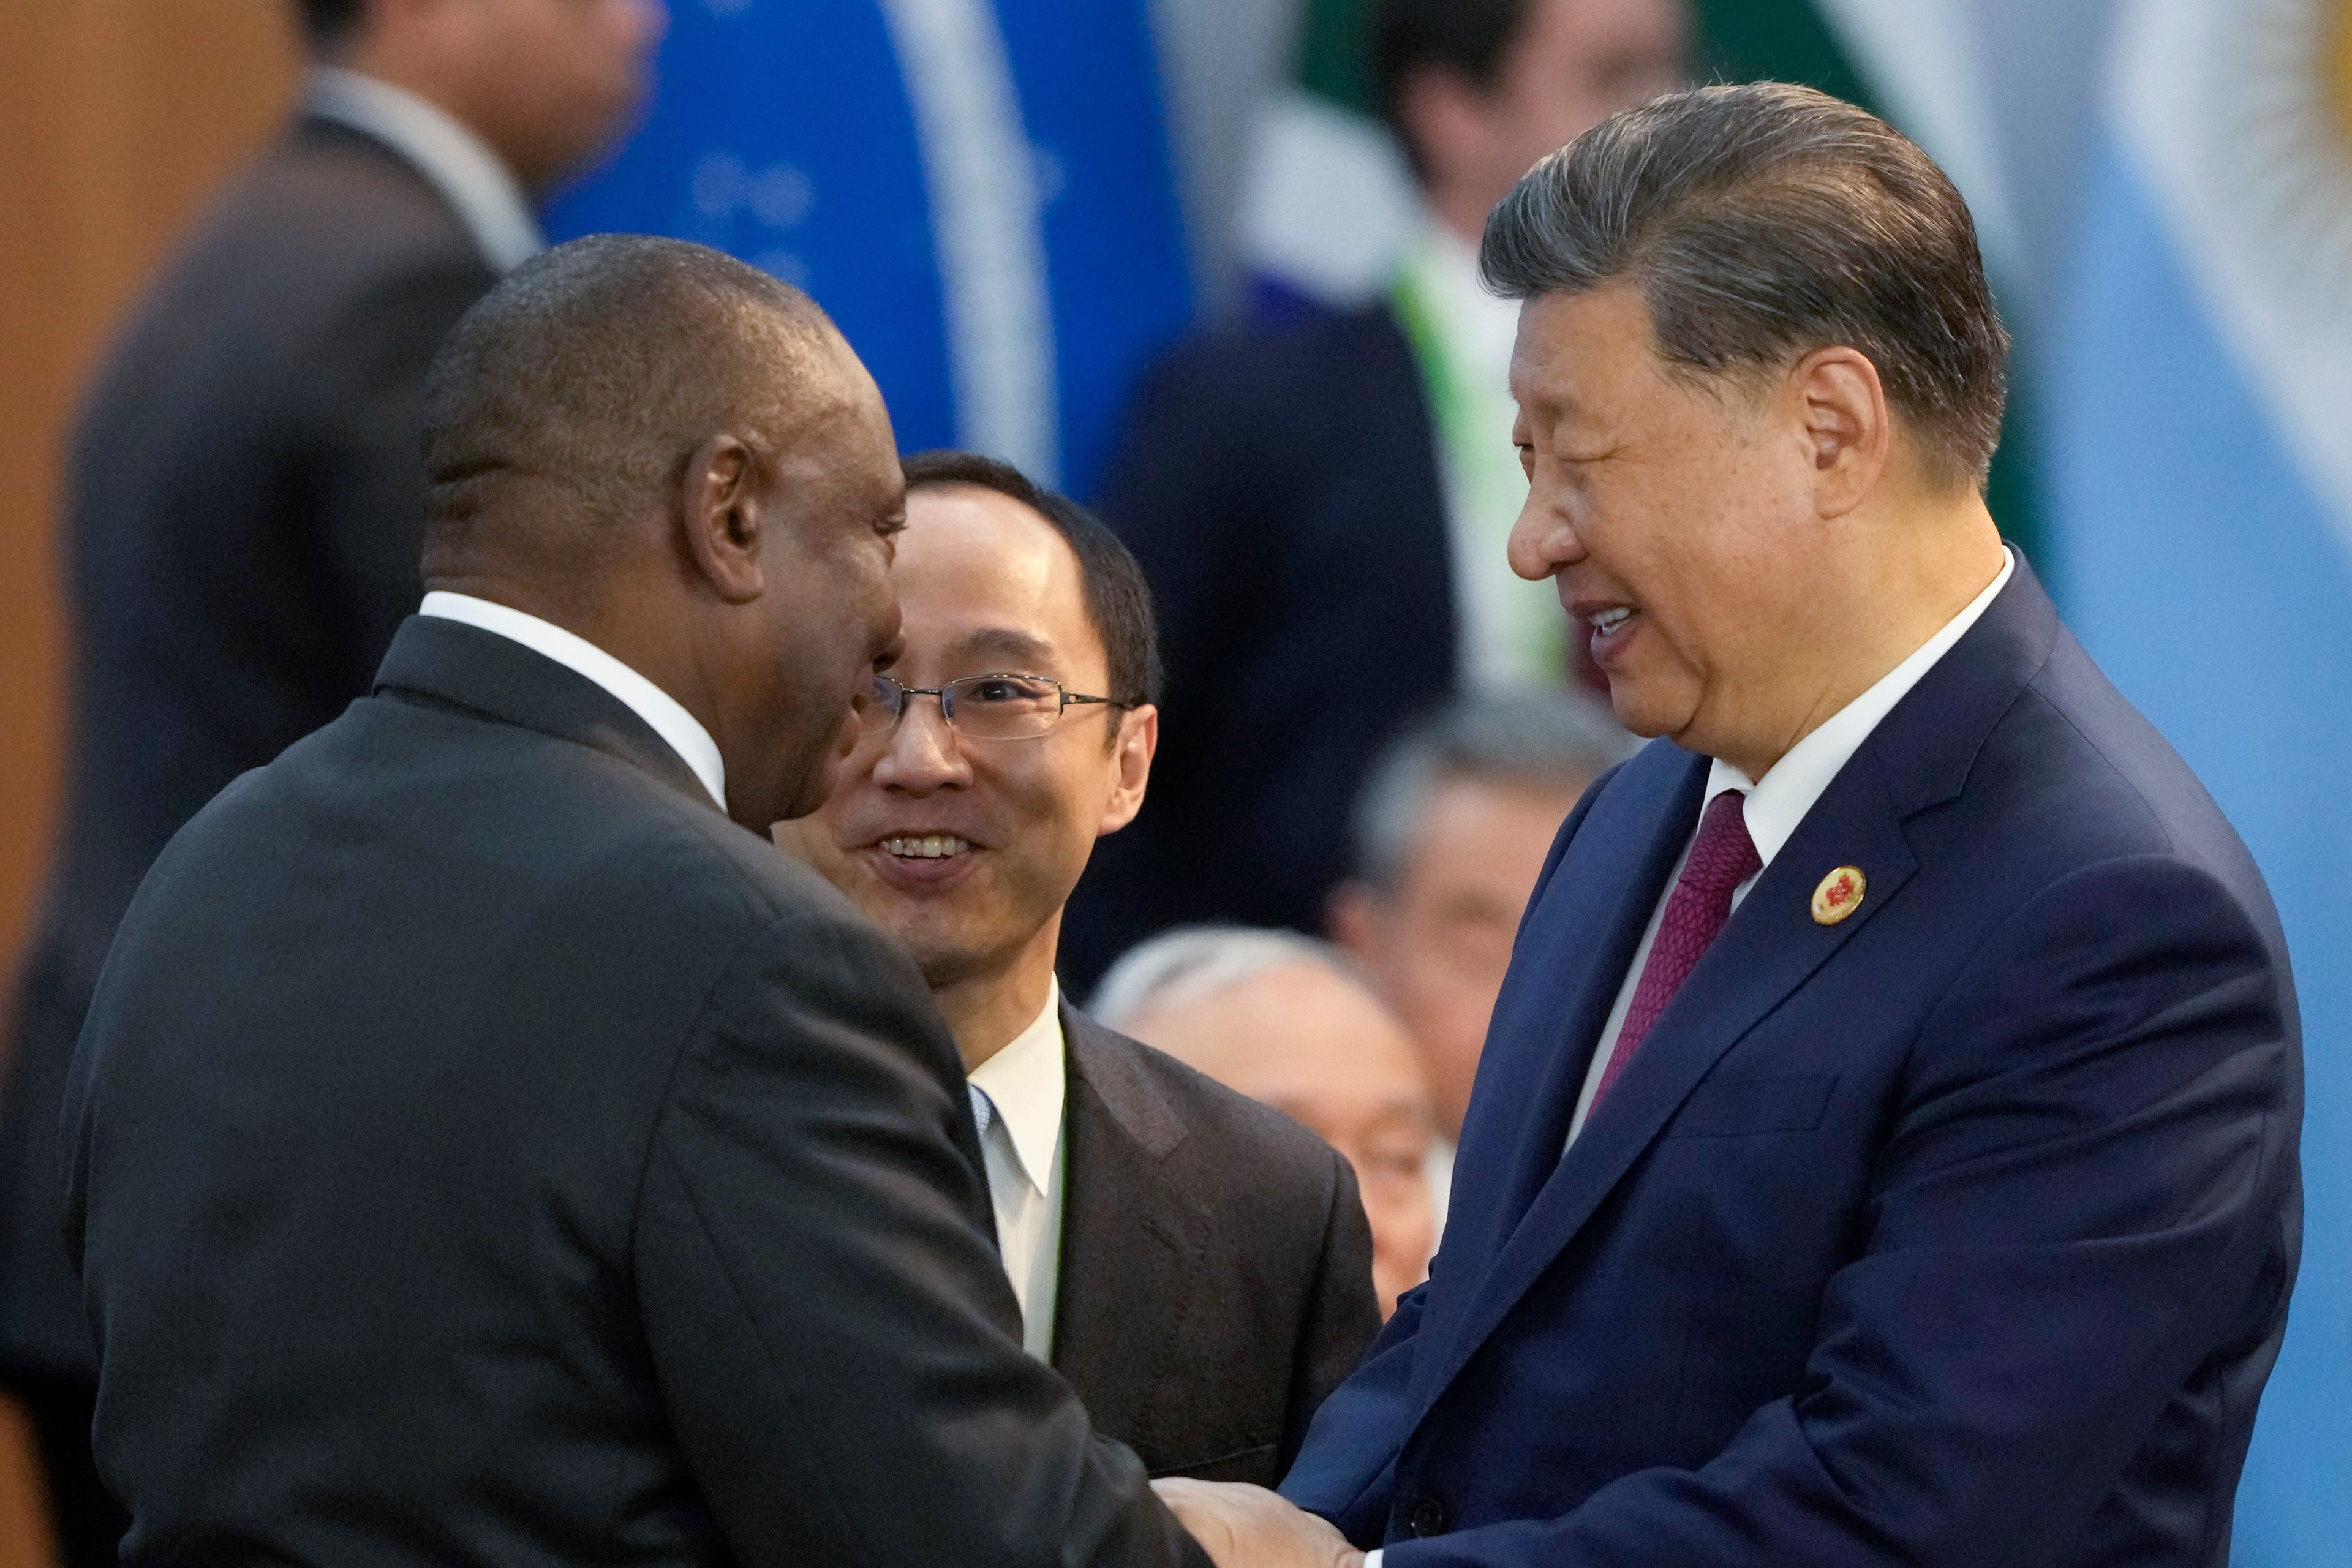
(1153, 1222)
(1286, 1020)
(1450, 835)
(1323, 512)
(245, 511)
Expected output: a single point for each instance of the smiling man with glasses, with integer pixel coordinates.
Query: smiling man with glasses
(1197, 1266)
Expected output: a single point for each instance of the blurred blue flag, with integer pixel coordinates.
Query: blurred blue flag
(2201, 473)
(981, 193)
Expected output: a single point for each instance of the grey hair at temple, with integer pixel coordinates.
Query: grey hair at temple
(1536, 741)
(1190, 962)
(1762, 222)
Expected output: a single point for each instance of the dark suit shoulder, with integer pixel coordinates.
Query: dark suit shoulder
(2073, 776)
(350, 207)
(1240, 1143)
(566, 815)
(311, 259)
(1347, 356)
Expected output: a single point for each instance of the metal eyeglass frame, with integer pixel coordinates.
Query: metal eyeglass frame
(897, 709)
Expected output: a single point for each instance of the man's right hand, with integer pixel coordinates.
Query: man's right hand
(1249, 1527)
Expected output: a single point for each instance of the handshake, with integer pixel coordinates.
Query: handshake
(1249, 1527)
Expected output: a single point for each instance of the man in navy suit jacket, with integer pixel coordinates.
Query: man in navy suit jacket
(1884, 1150)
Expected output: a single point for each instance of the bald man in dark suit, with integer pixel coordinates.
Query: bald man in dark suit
(484, 1147)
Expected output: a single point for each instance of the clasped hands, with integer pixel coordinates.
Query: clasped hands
(1249, 1527)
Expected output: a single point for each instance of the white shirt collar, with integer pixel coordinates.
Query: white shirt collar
(665, 715)
(470, 177)
(1779, 801)
(1027, 1083)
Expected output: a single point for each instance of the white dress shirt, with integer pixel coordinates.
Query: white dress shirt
(1779, 801)
(668, 717)
(459, 164)
(1017, 1096)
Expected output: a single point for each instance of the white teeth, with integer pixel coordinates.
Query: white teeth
(1609, 620)
(929, 847)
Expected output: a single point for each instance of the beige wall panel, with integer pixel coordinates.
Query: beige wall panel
(118, 118)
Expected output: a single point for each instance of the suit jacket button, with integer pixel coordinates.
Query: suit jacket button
(1427, 1519)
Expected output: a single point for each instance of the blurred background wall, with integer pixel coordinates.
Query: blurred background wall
(117, 118)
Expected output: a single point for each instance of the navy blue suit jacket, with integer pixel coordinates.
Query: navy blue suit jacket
(1959, 1232)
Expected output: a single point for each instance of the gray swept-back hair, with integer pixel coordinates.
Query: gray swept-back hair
(1762, 222)
(1537, 741)
(1193, 962)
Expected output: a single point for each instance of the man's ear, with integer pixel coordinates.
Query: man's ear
(1138, 740)
(723, 517)
(1849, 432)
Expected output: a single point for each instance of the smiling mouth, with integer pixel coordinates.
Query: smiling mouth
(925, 846)
(1608, 620)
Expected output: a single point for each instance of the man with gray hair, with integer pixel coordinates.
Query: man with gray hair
(1289, 1021)
(1449, 836)
(1885, 1148)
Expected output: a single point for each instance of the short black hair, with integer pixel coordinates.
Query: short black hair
(1470, 37)
(328, 22)
(594, 371)
(1762, 222)
(1117, 598)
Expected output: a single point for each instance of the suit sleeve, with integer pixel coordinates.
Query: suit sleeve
(2081, 1197)
(835, 1338)
(1346, 1470)
(1343, 1313)
(368, 481)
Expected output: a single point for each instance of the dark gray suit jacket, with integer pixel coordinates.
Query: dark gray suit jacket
(483, 1150)
(243, 507)
(1216, 1276)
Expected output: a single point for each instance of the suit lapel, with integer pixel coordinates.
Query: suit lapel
(1127, 1237)
(1586, 924)
(1635, 844)
(1770, 947)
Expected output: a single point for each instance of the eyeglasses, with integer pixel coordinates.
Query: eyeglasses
(984, 707)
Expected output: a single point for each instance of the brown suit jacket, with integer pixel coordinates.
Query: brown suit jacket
(1216, 1274)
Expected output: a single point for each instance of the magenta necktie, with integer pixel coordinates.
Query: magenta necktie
(1721, 857)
